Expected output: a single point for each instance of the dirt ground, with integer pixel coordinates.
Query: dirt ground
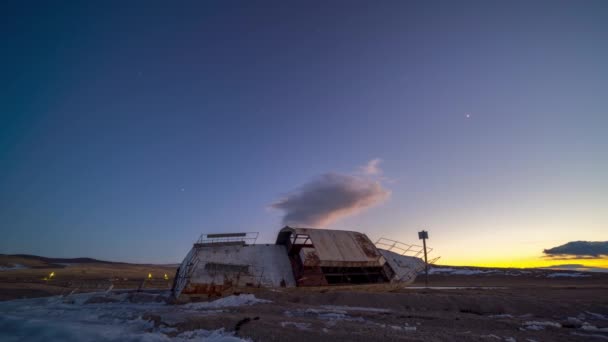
(530, 307)
(34, 280)
(496, 308)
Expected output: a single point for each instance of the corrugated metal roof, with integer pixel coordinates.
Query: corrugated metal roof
(337, 247)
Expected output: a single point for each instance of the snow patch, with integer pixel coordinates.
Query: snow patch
(588, 327)
(342, 308)
(454, 287)
(402, 328)
(501, 316)
(331, 317)
(298, 325)
(540, 325)
(603, 337)
(230, 301)
(596, 315)
(72, 319)
(207, 336)
(12, 268)
(458, 271)
(567, 275)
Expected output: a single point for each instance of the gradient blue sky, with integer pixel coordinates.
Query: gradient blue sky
(128, 130)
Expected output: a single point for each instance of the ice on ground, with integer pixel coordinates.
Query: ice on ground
(501, 316)
(12, 268)
(588, 327)
(596, 315)
(458, 271)
(207, 336)
(540, 325)
(298, 325)
(492, 336)
(454, 287)
(567, 275)
(330, 317)
(230, 301)
(402, 328)
(575, 321)
(72, 319)
(353, 308)
(603, 337)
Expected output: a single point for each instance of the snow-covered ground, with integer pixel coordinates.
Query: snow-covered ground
(13, 267)
(567, 275)
(244, 299)
(106, 317)
(459, 271)
(507, 272)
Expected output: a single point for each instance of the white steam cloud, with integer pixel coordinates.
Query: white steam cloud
(333, 196)
(372, 167)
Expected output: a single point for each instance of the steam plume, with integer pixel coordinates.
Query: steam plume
(330, 197)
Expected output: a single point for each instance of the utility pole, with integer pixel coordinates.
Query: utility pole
(423, 235)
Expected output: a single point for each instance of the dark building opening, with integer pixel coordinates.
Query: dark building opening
(354, 275)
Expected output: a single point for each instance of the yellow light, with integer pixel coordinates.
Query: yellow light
(51, 275)
(149, 275)
(166, 276)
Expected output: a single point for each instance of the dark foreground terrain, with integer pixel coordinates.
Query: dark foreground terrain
(502, 305)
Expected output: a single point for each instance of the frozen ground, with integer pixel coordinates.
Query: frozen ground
(461, 304)
(12, 267)
(105, 317)
(570, 275)
(505, 272)
(323, 314)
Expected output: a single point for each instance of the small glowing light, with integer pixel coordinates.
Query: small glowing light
(51, 275)
(149, 275)
(467, 115)
(166, 276)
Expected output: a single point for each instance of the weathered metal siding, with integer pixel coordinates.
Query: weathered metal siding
(309, 257)
(217, 269)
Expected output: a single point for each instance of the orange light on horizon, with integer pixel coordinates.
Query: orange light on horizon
(525, 262)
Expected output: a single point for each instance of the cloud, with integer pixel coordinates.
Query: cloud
(579, 250)
(372, 167)
(330, 197)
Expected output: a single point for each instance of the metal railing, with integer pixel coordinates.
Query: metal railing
(401, 248)
(249, 238)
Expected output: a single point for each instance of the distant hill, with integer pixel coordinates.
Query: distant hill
(12, 261)
(35, 261)
(64, 260)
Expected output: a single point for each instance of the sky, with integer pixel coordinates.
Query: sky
(127, 129)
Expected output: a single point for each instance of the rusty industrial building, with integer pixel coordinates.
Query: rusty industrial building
(220, 263)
